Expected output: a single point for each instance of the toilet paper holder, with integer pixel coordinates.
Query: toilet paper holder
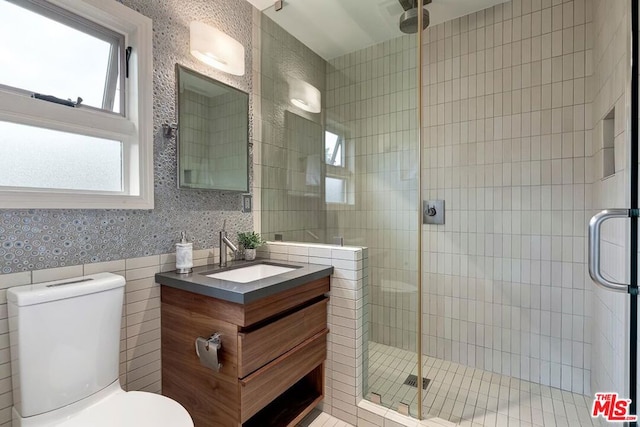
(207, 351)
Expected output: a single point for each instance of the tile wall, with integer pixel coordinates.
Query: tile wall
(506, 124)
(228, 129)
(609, 90)
(213, 151)
(286, 162)
(304, 160)
(140, 341)
(347, 353)
(194, 149)
(347, 324)
(371, 102)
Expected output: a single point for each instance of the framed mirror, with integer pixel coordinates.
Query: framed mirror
(213, 133)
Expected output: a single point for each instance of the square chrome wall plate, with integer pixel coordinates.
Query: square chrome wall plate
(433, 212)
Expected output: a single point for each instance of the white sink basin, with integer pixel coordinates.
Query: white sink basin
(250, 273)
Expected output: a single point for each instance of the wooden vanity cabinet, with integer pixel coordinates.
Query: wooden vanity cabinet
(273, 353)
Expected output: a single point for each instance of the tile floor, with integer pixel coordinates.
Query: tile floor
(317, 418)
(472, 397)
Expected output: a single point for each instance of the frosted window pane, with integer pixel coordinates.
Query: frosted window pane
(34, 157)
(41, 55)
(335, 190)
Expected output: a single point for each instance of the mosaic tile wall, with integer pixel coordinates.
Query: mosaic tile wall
(38, 239)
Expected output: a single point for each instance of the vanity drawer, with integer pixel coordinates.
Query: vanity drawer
(261, 346)
(264, 385)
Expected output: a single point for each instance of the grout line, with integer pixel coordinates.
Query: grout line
(459, 393)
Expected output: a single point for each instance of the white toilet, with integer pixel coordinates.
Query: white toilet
(65, 350)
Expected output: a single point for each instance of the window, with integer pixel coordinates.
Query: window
(46, 158)
(334, 149)
(80, 59)
(336, 190)
(337, 180)
(75, 105)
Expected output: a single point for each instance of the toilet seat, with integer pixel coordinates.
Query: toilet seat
(117, 409)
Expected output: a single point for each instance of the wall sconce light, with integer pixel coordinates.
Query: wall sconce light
(305, 96)
(215, 48)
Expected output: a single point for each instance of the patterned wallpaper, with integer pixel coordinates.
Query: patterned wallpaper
(36, 239)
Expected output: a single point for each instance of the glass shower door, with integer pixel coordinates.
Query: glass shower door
(348, 174)
(371, 200)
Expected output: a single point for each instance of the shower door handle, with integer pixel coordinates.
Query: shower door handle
(594, 248)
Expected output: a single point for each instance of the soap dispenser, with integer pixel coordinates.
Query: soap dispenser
(184, 255)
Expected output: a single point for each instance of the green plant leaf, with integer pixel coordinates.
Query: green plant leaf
(250, 240)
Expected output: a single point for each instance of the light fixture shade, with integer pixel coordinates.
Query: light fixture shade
(215, 48)
(305, 96)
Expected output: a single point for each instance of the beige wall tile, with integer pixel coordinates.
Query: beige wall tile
(148, 261)
(60, 273)
(15, 279)
(102, 267)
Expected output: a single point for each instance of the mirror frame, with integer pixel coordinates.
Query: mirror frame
(179, 68)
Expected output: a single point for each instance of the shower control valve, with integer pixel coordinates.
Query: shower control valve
(433, 212)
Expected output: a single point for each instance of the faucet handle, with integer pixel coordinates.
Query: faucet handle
(224, 225)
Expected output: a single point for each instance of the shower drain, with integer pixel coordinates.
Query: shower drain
(412, 380)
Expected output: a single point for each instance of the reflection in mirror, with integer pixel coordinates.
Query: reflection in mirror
(213, 135)
(304, 156)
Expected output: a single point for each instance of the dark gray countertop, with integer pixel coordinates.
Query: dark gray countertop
(243, 293)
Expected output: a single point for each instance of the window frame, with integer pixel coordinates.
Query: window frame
(133, 125)
(342, 172)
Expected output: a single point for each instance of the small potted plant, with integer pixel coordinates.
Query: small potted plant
(250, 240)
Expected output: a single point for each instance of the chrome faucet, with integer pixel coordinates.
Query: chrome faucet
(224, 244)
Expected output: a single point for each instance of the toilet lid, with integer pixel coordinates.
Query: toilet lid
(132, 409)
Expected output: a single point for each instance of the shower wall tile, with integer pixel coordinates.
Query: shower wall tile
(506, 123)
(609, 90)
(371, 102)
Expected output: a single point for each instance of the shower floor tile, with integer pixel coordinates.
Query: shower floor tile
(472, 397)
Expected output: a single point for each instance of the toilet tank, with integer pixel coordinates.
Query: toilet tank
(65, 340)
